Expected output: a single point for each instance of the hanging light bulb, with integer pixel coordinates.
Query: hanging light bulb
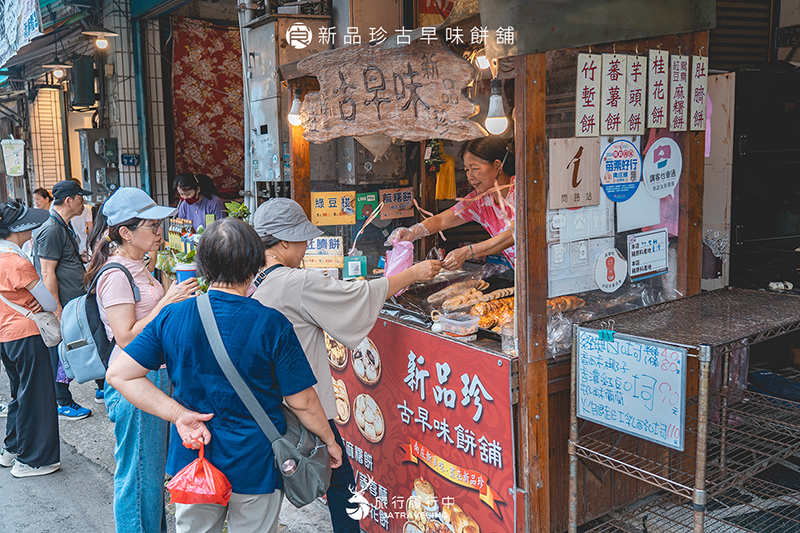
(482, 61)
(101, 42)
(496, 121)
(58, 73)
(59, 68)
(294, 113)
(101, 36)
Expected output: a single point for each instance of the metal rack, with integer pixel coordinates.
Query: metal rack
(730, 435)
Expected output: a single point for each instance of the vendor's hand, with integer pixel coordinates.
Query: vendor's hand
(178, 292)
(58, 311)
(426, 270)
(401, 234)
(456, 258)
(192, 428)
(35, 307)
(335, 455)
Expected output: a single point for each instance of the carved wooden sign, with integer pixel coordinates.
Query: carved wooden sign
(411, 93)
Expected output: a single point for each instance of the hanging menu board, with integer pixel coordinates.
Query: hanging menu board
(632, 385)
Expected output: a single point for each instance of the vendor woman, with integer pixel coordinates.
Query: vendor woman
(198, 199)
(490, 170)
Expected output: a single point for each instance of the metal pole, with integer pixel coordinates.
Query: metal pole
(723, 414)
(699, 499)
(138, 34)
(573, 435)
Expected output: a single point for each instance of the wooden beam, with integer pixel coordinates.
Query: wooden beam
(301, 167)
(427, 199)
(690, 218)
(531, 278)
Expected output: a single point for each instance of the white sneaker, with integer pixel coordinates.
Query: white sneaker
(7, 458)
(23, 470)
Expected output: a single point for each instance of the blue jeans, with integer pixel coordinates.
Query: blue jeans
(339, 493)
(141, 456)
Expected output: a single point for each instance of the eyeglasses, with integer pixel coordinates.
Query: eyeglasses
(153, 227)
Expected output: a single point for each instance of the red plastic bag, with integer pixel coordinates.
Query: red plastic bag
(200, 482)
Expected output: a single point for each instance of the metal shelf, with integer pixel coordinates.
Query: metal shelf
(759, 431)
(718, 318)
(755, 506)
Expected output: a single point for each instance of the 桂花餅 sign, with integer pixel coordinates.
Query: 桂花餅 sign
(397, 203)
(324, 252)
(658, 89)
(411, 93)
(573, 172)
(333, 208)
(425, 412)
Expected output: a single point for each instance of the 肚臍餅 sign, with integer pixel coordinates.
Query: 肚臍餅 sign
(324, 252)
(412, 93)
(427, 426)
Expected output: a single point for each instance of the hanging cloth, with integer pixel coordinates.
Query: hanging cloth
(446, 179)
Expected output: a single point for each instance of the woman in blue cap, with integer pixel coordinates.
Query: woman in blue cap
(134, 229)
(31, 443)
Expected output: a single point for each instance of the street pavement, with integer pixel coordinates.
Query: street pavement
(78, 498)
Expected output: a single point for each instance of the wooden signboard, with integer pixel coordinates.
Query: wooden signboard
(574, 178)
(411, 93)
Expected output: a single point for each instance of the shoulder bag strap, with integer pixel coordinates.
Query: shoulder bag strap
(18, 308)
(259, 279)
(70, 233)
(225, 363)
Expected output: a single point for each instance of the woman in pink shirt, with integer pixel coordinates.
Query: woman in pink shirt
(134, 229)
(490, 170)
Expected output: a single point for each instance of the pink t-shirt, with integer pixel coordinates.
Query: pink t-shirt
(489, 215)
(113, 288)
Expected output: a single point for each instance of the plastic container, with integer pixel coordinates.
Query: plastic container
(184, 271)
(459, 324)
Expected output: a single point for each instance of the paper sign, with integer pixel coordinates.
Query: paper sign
(610, 270)
(697, 108)
(632, 385)
(14, 156)
(647, 254)
(366, 202)
(662, 167)
(635, 92)
(587, 95)
(573, 172)
(657, 89)
(678, 89)
(397, 203)
(333, 208)
(325, 252)
(612, 104)
(620, 170)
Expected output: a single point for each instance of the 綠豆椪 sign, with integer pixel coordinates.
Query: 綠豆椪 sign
(333, 208)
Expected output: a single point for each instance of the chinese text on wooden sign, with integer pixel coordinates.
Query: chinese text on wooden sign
(411, 93)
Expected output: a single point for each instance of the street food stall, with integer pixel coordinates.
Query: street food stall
(449, 427)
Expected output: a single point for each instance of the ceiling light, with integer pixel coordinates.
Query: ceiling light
(59, 68)
(496, 120)
(100, 35)
(294, 113)
(482, 61)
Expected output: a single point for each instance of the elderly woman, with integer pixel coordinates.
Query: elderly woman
(265, 350)
(316, 304)
(31, 443)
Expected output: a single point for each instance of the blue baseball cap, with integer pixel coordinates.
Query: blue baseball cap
(128, 203)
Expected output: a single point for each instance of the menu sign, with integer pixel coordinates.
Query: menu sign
(658, 89)
(697, 109)
(324, 252)
(397, 203)
(333, 208)
(587, 97)
(427, 425)
(635, 92)
(612, 105)
(678, 87)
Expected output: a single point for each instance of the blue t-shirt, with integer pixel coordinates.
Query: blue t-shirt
(264, 348)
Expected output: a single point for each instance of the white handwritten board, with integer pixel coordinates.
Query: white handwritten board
(632, 385)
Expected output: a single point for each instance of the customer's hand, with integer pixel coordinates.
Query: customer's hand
(58, 311)
(335, 454)
(192, 428)
(35, 307)
(178, 292)
(426, 270)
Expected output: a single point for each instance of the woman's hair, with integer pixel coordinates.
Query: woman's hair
(187, 180)
(102, 250)
(9, 213)
(230, 252)
(490, 149)
(43, 193)
(99, 226)
(269, 241)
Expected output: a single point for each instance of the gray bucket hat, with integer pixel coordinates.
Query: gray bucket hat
(284, 219)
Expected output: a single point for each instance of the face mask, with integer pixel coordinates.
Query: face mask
(191, 200)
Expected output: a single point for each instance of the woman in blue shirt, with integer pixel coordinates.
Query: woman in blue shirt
(264, 348)
(198, 199)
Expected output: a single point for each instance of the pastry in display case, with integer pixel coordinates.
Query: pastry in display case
(367, 362)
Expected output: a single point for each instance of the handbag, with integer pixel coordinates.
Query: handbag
(300, 456)
(46, 321)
